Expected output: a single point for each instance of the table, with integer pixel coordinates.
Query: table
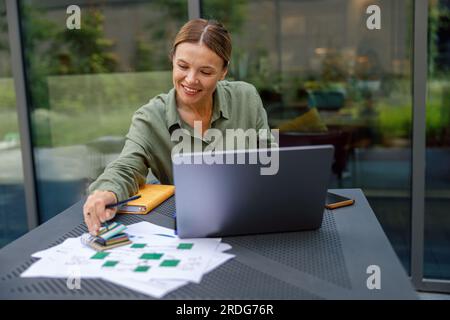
(329, 263)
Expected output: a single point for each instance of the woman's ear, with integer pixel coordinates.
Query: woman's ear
(224, 74)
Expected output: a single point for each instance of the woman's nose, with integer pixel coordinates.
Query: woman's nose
(191, 77)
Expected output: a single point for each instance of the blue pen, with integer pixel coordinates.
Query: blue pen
(109, 206)
(122, 202)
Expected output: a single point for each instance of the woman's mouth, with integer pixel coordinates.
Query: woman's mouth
(190, 91)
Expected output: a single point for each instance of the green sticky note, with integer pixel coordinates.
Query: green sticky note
(151, 256)
(169, 263)
(138, 245)
(142, 269)
(185, 246)
(100, 255)
(110, 263)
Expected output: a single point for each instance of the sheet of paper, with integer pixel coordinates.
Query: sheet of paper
(68, 243)
(135, 231)
(73, 242)
(158, 288)
(154, 254)
(223, 247)
(62, 261)
(148, 259)
(147, 228)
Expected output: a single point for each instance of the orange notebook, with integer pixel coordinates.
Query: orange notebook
(152, 195)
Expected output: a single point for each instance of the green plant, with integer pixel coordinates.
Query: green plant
(395, 120)
(86, 50)
(143, 55)
(333, 68)
(50, 50)
(37, 30)
(153, 44)
(439, 23)
(3, 29)
(231, 13)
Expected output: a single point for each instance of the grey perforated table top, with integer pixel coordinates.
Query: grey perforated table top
(329, 263)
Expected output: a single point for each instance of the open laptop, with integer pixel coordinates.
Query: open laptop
(235, 199)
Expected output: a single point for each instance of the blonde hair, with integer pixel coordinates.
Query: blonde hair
(208, 32)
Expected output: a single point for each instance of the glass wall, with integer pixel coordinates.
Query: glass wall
(325, 77)
(13, 222)
(437, 204)
(323, 74)
(85, 84)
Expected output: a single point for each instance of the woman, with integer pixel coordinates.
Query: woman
(200, 57)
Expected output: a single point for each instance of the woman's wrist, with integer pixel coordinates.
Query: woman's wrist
(113, 196)
(110, 196)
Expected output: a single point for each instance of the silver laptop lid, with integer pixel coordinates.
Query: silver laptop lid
(283, 190)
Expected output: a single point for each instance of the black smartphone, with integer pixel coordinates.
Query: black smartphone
(336, 201)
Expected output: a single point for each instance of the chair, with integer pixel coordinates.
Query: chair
(339, 139)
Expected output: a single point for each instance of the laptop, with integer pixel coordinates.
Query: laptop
(236, 198)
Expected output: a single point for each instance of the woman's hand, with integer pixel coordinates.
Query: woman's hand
(95, 211)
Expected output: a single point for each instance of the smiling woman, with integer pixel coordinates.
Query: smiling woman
(196, 71)
(200, 58)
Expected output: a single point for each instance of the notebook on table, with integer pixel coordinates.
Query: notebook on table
(152, 195)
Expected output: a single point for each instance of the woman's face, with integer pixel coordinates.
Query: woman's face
(196, 70)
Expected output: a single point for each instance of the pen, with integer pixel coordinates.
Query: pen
(105, 225)
(122, 202)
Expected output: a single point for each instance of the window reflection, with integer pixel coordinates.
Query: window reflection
(13, 221)
(437, 204)
(325, 78)
(86, 84)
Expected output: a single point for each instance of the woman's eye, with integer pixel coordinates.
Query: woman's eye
(206, 73)
(183, 67)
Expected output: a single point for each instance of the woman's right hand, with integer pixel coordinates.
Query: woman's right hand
(95, 211)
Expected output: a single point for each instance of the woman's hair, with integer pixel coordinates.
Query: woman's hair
(208, 32)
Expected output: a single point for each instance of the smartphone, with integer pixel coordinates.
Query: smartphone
(336, 201)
